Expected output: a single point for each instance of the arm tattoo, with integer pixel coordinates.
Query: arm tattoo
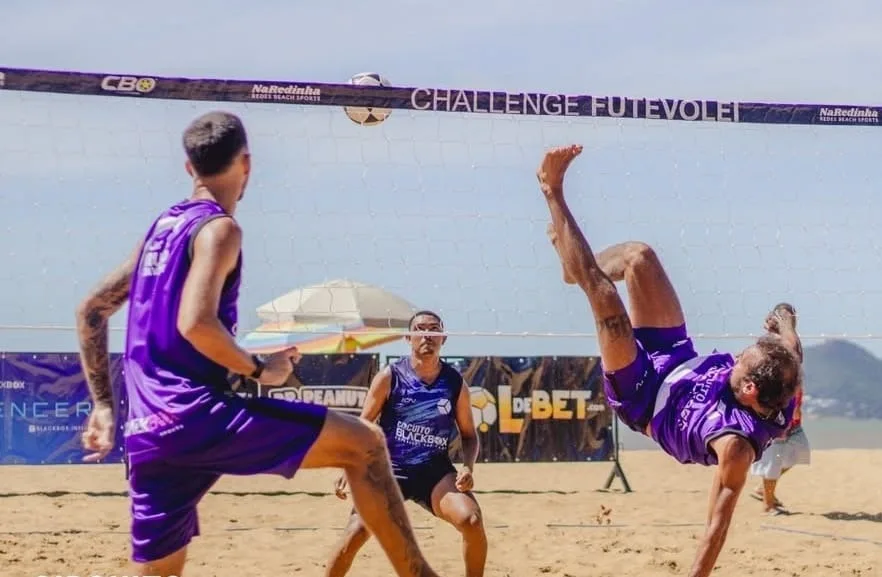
(379, 476)
(616, 327)
(92, 330)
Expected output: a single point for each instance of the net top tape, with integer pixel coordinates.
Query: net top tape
(434, 99)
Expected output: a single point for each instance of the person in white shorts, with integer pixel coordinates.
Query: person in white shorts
(785, 453)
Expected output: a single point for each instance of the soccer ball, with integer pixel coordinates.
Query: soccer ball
(367, 116)
(484, 410)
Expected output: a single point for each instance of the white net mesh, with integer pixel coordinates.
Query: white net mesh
(443, 209)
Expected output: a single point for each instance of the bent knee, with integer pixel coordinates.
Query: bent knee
(641, 256)
(471, 523)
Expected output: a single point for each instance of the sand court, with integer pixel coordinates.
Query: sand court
(542, 519)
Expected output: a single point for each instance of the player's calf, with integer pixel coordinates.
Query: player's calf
(359, 448)
(463, 512)
(354, 538)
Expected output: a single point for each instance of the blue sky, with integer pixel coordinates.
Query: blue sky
(443, 208)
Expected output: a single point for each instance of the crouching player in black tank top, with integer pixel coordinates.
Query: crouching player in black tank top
(421, 401)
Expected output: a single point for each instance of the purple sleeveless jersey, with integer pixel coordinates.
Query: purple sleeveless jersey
(185, 428)
(695, 405)
(167, 380)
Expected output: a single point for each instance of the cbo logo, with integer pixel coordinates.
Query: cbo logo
(484, 411)
(128, 84)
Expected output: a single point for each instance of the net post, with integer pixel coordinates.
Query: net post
(617, 471)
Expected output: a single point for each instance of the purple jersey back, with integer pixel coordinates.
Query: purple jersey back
(695, 405)
(166, 378)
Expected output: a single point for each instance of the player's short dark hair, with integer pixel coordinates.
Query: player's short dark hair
(422, 313)
(213, 140)
(776, 374)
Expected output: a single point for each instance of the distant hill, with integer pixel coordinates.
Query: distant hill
(842, 380)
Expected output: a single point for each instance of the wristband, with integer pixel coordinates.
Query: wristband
(260, 364)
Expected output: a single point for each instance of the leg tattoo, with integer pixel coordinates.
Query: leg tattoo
(379, 477)
(616, 327)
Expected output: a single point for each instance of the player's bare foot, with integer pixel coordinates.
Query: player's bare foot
(567, 277)
(553, 167)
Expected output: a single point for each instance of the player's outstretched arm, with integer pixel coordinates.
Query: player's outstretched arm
(215, 254)
(93, 315)
(782, 322)
(735, 455)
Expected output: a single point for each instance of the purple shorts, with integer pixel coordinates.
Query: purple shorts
(631, 391)
(236, 437)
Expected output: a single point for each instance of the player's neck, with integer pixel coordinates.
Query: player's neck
(226, 200)
(425, 367)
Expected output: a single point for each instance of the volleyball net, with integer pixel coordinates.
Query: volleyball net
(435, 200)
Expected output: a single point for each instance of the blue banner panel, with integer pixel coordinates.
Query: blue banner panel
(45, 408)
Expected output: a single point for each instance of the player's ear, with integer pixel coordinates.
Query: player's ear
(189, 168)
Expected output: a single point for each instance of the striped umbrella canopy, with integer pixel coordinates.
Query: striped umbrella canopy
(317, 338)
(339, 302)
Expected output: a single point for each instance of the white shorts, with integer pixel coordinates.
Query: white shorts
(783, 454)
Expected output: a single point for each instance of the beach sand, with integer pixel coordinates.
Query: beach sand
(542, 519)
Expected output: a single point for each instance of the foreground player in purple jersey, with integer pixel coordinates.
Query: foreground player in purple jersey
(421, 402)
(710, 410)
(185, 427)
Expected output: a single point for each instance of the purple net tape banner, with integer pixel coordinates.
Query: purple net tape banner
(434, 99)
(44, 406)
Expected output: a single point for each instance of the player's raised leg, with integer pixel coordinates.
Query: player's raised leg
(618, 348)
(359, 448)
(461, 510)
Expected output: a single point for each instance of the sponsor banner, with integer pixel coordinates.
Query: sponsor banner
(525, 408)
(435, 99)
(338, 381)
(44, 407)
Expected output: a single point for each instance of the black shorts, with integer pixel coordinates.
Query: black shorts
(418, 481)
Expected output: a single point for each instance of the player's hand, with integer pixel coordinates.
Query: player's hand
(99, 433)
(776, 319)
(465, 482)
(279, 367)
(771, 324)
(340, 487)
(554, 166)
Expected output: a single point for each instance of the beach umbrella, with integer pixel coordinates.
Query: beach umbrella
(339, 302)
